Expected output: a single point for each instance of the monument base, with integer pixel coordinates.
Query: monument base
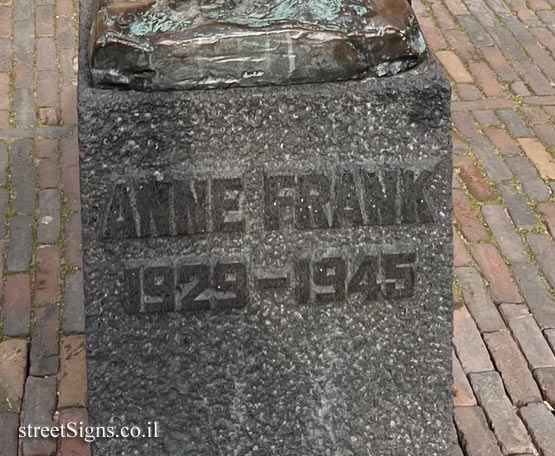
(268, 270)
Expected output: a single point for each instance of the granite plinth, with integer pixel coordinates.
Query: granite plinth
(186, 44)
(267, 270)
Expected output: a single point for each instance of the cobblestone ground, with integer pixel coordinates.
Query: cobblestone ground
(500, 58)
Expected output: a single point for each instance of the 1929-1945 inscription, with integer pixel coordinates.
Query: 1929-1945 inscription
(181, 206)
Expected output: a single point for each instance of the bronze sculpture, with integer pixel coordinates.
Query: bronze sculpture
(187, 44)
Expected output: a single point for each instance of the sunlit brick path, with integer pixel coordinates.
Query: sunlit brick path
(500, 58)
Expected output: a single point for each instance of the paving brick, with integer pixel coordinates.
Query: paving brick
(24, 74)
(46, 54)
(22, 150)
(4, 91)
(513, 122)
(39, 405)
(65, 35)
(499, 63)
(74, 304)
(543, 161)
(9, 424)
(24, 182)
(486, 117)
(19, 245)
(471, 227)
(546, 381)
(5, 22)
(44, 17)
(461, 256)
(5, 54)
(64, 7)
(469, 92)
(534, 115)
(72, 378)
(47, 116)
(17, 305)
(477, 300)
(541, 58)
(533, 186)
(49, 216)
(533, 77)
(545, 37)
(519, 88)
(75, 446)
(47, 148)
(433, 35)
(546, 134)
(474, 179)
(500, 413)
(547, 210)
(528, 336)
(454, 67)
(495, 167)
(13, 371)
(474, 433)
(465, 125)
(496, 272)
(3, 163)
(465, 49)
(24, 107)
(70, 185)
(506, 43)
(502, 141)
(4, 199)
(69, 105)
(47, 88)
(73, 255)
(47, 280)
(4, 120)
(462, 392)
(468, 343)
(544, 251)
(44, 343)
(522, 215)
(513, 368)
(540, 423)
(23, 10)
(49, 173)
(540, 302)
(70, 153)
(504, 233)
(486, 79)
(68, 66)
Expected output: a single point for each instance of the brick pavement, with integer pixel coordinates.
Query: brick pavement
(500, 58)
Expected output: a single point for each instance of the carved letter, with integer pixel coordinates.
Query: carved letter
(119, 221)
(226, 212)
(314, 201)
(191, 206)
(153, 202)
(279, 196)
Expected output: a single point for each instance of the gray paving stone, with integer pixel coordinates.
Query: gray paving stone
(504, 233)
(24, 39)
(476, 32)
(474, 433)
(44, 343)
(3, 162)
(24, 107)
(522, 215)
(528, 335)
(9, 423)
(21, 152)
(4, 198)
(550, 335)
(24, 182)
(546, 381)
(540, 422)
(477, 300)
(39, 405)
(494, 165)
(514, 122)
(19, 244)
(74, 309)
(501, 415)
(49, 216)
(540, 302)
(533, 186)
(544, 250)
(513, 368)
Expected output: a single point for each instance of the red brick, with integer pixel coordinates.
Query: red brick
(73, 374)
(534, 77)
(546, 134)
(69, 105)
(474, 179)
(547, 210)
(465, 125)
(442, 17)
(462, 392)
(47, 148)
(496, 273)
(519, 88)
(433, 35)
(546, 381)
(70, 181)
(46, 54)
(47, 88)
(499, 63)
(39, 406)
(536, 152)
(474, 433)
(456, 7)
(68, 66)
(461, 256)
(469, 92)
(49, 173)
(44, 20)
(513, 368)
(545, 37)
(4, 119)
(70, 153)
(13, 371)
(541, 58)
(64, 7)
(5, 22)
(44, 343)
(535, 115)
(17, 305)
(468, 343)
(65, 33)
(74, 446)
(4, 91)
(502, 141)
(537, 5)
(543, 248)
(486, 118)
(477, 300)
(486, 79)
(471, 227)
(24, 75)
(540, 422)
(47, 281)
(454, 67)
(465, 49)
(73, 255)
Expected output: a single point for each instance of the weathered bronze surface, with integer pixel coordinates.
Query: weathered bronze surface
(188, 44)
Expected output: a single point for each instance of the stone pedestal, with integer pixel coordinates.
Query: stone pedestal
(268, 270)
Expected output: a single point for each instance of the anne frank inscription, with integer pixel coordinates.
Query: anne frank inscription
(146, 206)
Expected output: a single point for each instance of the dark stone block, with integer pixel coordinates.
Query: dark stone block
(267, 270)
